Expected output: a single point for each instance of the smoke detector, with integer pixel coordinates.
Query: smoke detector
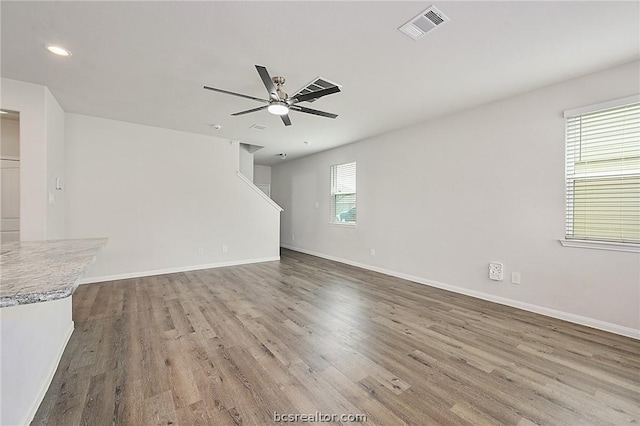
(427, 21)
(282, 156)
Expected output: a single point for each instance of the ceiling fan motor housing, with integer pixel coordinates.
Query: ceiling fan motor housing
(279, 82)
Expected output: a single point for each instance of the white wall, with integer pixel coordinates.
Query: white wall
(160, 195)
(261, 175)
(10, 138)
(56, 209)
(246, 161)
(33, 339)
(41, 134)
(29, 100)
(438, 201)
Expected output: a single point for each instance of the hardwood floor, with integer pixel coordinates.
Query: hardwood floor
(235, 345)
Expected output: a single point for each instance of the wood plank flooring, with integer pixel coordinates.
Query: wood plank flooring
(233, 346)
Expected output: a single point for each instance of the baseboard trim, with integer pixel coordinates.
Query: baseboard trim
(566, 316)
(47, 382)
(150, 273)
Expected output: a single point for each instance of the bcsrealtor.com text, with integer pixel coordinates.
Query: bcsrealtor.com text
(318, 417)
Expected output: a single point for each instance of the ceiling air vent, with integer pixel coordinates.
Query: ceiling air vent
(318, 83)
(428, 20)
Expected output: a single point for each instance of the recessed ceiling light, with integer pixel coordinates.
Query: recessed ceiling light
(57, 50)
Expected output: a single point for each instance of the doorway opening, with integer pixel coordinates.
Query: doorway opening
(9, 176)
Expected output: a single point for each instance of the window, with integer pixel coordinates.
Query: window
(343, 193)
(603, 172)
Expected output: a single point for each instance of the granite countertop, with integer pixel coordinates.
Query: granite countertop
(39, 271)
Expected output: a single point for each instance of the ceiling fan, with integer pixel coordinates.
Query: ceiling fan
(279, 103)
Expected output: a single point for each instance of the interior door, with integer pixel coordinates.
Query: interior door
(10, 206)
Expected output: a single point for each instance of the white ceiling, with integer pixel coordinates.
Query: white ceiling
(146, 62)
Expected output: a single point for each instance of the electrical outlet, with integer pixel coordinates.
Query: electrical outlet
(515, 277)
(225, 249)
(373, 252)
(496, 271)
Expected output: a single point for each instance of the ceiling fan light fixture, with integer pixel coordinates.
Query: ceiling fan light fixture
(278, 108)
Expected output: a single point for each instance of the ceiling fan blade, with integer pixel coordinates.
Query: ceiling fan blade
(286, 120)
(312, 111)
(266, 79)
(251, 110)
(235, 94)
(317, 94)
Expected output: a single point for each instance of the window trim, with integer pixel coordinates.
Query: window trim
(602, 105)
(344, 224)
(601, 245)
(567, 241)
(332, 220)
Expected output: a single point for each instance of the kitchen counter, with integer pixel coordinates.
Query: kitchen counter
(40, 271)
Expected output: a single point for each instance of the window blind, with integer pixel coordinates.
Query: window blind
(603, 174)
(343, 193)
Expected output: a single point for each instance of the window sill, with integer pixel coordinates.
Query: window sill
(344, 224)
(601, 245)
